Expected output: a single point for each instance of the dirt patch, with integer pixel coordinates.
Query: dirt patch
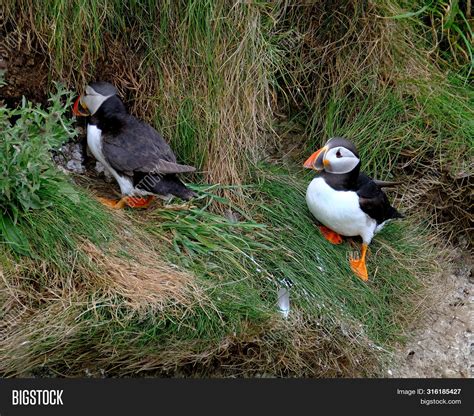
(26, 75)
(442, 345)
(25, 69)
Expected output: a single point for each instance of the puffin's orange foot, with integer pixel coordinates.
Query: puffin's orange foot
(127, 201)
(330, 235)
(137, 202)
(359, 268)
(112, 203)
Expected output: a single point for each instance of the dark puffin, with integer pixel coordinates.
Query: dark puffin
(136, 155)
(346, 201)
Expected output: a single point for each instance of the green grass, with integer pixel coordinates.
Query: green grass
(240, 266)
(53, 234)
(252, 259)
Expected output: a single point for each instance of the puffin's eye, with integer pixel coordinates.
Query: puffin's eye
(338, 154)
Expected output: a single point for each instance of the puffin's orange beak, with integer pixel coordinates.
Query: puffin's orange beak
(76, 111)
(316, 160)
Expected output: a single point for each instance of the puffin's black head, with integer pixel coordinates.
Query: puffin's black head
(338, 156)
(97, 93)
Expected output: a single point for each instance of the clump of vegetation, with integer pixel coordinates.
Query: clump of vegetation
(29, 134)
(28, 177)
(43, 215)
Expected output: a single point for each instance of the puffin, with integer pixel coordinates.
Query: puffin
(134, 153)
(346, 201)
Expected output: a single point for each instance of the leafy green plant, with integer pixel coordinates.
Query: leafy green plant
(27, 174)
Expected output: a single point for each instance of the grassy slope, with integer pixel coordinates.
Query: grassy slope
(193, 290)
(74, 320)
(157, 290)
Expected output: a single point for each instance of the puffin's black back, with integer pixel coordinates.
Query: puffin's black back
(162, 185)
(373, 200)
(135, 149)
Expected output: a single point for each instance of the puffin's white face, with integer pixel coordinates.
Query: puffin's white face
(92, 100)
(333, 159)
(340, 160)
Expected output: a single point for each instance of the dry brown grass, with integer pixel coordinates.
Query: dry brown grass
(444, 201)
(43, 308)
(332, 49)
(144, 280)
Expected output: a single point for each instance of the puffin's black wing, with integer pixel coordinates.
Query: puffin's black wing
(138, 147)
(373, 201)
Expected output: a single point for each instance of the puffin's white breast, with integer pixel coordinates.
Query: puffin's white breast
(94, 141)
(339, 210)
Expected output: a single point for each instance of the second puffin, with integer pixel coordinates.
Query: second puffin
(136, 155)
(346, 201)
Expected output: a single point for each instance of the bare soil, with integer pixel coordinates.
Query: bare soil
(442, 344)
(26, 70)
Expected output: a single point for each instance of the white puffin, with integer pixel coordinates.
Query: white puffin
(346, 201)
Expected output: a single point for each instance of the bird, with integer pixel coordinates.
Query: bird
(346, 201)
(134, 153)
